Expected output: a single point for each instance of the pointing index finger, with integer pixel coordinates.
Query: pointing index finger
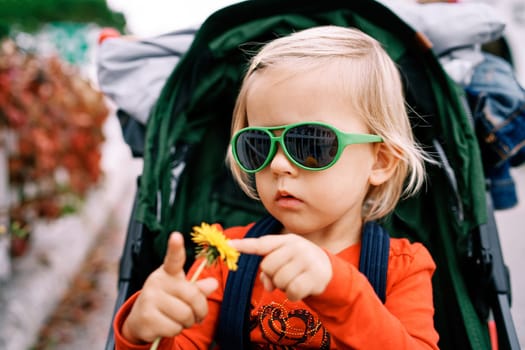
(258, 246)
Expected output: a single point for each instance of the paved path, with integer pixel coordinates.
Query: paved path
(59, 248)
(82, 319)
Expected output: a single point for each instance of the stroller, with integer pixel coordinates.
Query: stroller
(185, 180)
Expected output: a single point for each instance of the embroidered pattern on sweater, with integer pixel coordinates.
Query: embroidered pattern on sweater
(288, 328)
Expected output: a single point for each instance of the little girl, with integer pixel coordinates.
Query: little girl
(321, 136)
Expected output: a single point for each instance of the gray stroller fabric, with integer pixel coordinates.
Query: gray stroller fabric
(132, 72)
(451, 26)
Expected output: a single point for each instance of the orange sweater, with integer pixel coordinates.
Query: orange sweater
(348, 315)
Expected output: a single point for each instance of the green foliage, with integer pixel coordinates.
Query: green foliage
(30, 15)
(19, 230)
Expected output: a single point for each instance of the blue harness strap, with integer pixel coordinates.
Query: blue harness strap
(373, 261)
(235, 307)
(232, 331)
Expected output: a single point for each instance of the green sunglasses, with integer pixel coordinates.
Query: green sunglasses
(309, 145)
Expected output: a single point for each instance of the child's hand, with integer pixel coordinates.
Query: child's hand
(291, 263)
(168, 302)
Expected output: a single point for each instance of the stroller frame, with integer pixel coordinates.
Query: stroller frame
(483, 252)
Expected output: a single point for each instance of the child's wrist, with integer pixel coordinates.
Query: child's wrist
(128, 335)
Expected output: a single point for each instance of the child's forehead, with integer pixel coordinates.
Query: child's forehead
(303, 88)
(319, 79)
(282, 97)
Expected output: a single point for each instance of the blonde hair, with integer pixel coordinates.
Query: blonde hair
(370, 80)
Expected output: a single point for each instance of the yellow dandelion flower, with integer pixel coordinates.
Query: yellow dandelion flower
(212, 244)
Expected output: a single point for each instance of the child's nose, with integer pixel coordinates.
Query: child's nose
(280, 163)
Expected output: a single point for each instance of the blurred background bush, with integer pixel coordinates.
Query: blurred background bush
(51, 115)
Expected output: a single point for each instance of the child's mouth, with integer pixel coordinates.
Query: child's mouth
(287, 200)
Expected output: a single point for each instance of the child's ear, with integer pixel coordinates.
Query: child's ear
(384, 166)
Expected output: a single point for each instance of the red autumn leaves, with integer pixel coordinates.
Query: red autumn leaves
(54, 119)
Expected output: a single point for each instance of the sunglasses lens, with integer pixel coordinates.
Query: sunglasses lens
(252, 148)
(313, 146)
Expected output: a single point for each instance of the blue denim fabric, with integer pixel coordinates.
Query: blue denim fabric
(499, 111)
(502, 187)
(498, 104)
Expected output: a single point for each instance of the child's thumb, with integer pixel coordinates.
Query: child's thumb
(175, 255)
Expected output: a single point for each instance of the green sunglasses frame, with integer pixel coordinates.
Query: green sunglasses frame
(343, 140)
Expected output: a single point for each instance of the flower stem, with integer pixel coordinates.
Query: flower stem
(199, 270)
(201, 267)
(155, 344)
